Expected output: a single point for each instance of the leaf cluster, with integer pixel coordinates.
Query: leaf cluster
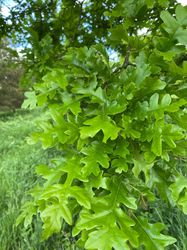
(121, 130)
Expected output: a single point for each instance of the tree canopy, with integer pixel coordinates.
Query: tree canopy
(120, 124)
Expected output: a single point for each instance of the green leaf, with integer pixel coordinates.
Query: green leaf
(116, 106)
(140, 165)
(183, 203)
(91, 90)
(127, 226)
(103, 51)
(96, 155)
(31, 100)
(180, 35)
(107, 239)
(52, 191)
(181, 15)
(51, 175)
(166, 100)
(70, 103)
(143, 69)
(178, 186)
(157, 85)
(118, 34)
(73, 169)
(94, 125)
(159, 107)
(120, 165)
(170, 23)
(28, 210)
(81, 195)
(107, 219)
(171, 134)
(175, 106)
(149, 3)
(119, 193)
(52, 217)
(177, 189)
(129, 130)
(56, 77)
(163, 3)
(89, 221)
(154, 101)
(150, 236)
(121, 149)
(156, 146)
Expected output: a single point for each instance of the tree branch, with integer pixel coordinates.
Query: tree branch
(126, 61)
(79, 21)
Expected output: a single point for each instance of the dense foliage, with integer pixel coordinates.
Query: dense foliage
(120, 125)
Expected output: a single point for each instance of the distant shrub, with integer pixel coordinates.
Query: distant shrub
(11, 96)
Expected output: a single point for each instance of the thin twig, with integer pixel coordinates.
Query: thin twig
(126, 61)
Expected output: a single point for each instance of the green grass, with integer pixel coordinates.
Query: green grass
(175, 221)
(17, 176)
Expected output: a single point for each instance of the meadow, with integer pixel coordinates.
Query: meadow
(17, 176)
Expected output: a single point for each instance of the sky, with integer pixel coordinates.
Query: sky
(183, 2)
(10, 3)
(7, 4)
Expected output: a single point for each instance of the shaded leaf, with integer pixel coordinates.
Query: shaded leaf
(150, 236)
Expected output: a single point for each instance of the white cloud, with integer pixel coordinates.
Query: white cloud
(11, 3)
(183, 2)
(5, 11)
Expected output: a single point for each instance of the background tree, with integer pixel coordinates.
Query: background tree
(11, 96)
(44, 29)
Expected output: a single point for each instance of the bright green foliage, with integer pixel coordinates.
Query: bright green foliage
(121, 129)
(98, 123)
(52, 217)
(177, 188)
(31, 101)
(150, 235)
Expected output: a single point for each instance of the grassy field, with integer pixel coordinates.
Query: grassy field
(17, 175)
